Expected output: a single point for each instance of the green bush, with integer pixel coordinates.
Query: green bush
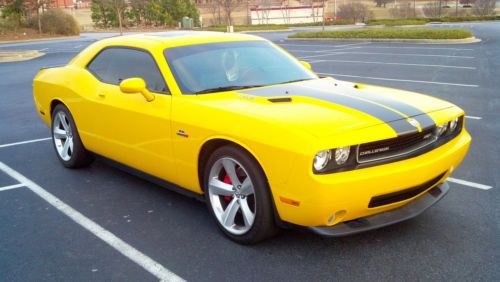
(387, 34)
(332, 22)
(397, 22)
(56, 21)
(464, 19)
(256, 27)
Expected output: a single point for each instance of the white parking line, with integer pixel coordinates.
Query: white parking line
(473, 117)
(25, 142)
(318, 45)
(402, 80)
(470, 184)
(399, 64)
(10, 187)
(404, 54)
(430, 48)
(383, 47)
(125, 249)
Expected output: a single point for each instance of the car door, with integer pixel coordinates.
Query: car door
(128, 128)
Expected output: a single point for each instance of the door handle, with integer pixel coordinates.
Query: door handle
(101, 94)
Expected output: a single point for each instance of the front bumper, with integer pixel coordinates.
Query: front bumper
(408, 211)
(330, 199)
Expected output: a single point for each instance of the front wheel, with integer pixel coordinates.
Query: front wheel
(66, 140)
(238, 196)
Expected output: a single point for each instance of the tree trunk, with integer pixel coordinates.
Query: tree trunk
(39, 21)
(119, 14)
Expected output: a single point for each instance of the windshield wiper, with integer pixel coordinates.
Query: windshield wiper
(296, 80)
(226, 88)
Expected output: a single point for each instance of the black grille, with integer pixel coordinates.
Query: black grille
(397, 146)
(403, 194)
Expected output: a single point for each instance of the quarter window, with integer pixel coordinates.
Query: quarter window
(112, 65)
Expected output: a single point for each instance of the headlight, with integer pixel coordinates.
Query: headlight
(321, 159)
(453, 124)
(441, 129)
(342, 155)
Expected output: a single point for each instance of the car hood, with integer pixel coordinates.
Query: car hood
(325, 107)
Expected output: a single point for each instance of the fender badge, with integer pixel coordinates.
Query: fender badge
(414, 122)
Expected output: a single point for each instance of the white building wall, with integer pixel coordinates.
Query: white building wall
(286, 15)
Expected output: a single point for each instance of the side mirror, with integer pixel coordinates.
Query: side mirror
(306, 64)
(136, 85)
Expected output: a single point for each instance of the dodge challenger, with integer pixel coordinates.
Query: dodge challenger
(254, 132)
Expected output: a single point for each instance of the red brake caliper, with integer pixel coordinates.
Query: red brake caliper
(227, 180)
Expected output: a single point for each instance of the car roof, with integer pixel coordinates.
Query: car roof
(170, 39)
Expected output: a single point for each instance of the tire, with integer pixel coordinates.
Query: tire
(66, 140)
(243, 211)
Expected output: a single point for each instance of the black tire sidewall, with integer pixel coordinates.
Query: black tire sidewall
(263, 226)
(79, 157)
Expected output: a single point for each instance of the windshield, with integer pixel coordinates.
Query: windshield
(222, 66)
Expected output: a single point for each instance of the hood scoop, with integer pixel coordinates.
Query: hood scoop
(280, 100)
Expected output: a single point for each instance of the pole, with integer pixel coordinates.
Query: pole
(335, 9)
(323, 15)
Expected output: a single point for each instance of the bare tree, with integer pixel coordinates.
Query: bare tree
(484, 8)
(355, 11)
(36, 6)
(119, 6)
(432, 9)
(214, 6)
(229, 6)
(285, 11)
(266, 9)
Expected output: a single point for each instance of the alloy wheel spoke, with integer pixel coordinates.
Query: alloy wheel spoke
(230, 213)
(70, 141)
(59, 133)
(248, 215)
(230, 168)
(62, 119)
(65, 149)
(220, 188)
(246, 187)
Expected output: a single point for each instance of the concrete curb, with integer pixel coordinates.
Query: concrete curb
(427, 41)
(40, 39)
(16, 56)
(263, 31)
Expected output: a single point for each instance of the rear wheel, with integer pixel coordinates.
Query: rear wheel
(66, 140)
(238, 196)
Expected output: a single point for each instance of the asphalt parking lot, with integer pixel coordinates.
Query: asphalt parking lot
(100, 223)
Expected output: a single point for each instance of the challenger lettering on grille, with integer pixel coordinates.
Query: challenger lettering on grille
(374, 151)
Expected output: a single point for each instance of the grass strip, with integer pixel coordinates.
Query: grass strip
(387, 34)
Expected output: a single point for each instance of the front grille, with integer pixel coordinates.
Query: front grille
(403, 194)
(394, 147)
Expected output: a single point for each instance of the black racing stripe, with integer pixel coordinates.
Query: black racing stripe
(391, 118)
(424, 119)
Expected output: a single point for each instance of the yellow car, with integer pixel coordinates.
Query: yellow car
(267, 142)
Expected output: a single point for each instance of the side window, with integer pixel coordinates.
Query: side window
(112, 65)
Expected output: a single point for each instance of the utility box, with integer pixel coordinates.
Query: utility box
(187, 23)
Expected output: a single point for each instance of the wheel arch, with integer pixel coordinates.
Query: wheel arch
(53, 105)
(210, 145)
(213, 144)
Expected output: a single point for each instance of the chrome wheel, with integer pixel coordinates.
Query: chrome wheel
(62, 136)
(232, 196)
